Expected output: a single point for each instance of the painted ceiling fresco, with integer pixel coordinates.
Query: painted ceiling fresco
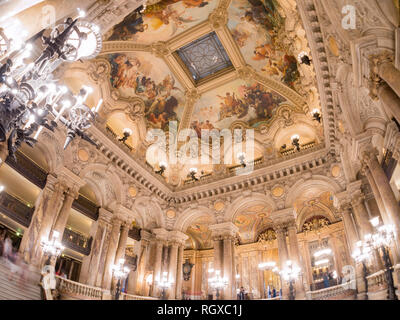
(249, 219)
(139, 74)
(238, 100)
(258, 28)
(200, 232)
(314, 201)
(162, 21)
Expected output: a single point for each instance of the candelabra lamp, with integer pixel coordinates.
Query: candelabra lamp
(218, 283)
(30, 99)
(290, 274)
(164, 283)
(120, 273)
(381, 239)
(52, 248)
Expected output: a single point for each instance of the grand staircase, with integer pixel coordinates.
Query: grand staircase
(17, 290)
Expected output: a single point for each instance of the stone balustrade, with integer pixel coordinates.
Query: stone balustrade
(125, 296)
(333, 293)
(377, 285)
(75, 290)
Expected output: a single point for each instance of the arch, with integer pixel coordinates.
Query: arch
(323, 183)
(149, 210)
(247, 201)
(106, 182)
(303, 215)
(190, 215)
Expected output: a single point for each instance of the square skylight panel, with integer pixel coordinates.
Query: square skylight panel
(204, 56)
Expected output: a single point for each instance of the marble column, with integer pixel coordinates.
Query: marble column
(390, 101)
(143, 263)
(385, 191)
(120, 253)
(90, 264)
(112, 248)
(173, 265)
(389, 73)
(158, 260)
(217, 253)
(280, 231)
(3, 152)
(62, 218)
(295, 257)
(179, 273)
(228, 271)
(47, 206)
(351, 233)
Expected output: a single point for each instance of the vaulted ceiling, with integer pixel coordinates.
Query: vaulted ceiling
(216, 64)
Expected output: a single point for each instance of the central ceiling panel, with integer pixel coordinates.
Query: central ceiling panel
(204, 57)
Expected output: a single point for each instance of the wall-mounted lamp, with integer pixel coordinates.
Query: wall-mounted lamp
(304, 58)
(163, 167)
(296, 141)
(242, 159)
(126, 134)
(316, 115)
(192, 174)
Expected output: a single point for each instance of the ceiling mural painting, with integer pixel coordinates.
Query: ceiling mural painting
(314, 202)
(199, 231)
(161, 21)
(147, 77)
(239, 100)
(258, 28)
(250, 219)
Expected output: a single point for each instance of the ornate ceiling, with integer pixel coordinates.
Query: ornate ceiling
(240, 71)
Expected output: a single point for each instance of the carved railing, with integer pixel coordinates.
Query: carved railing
(76, 241)
(376, 281)
(111, 133)
(331, 292)
(78, 290)
(306, 146)
(16, 209)
(125, 296)
(86, 207)
(29, 169)
(134, 234)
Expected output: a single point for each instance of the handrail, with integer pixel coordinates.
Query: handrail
(376, 279)
(331, 291)
(73, 287)
(126, 296)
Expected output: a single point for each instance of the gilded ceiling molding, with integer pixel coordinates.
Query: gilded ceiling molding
(247, 73)
(110, 47)
(191, 97)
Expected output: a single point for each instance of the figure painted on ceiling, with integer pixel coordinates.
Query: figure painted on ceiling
(129, 73)
(154, 17)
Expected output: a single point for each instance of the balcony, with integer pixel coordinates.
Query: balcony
(77, 242)
(86, 207)
(16, 209)
(29, 169)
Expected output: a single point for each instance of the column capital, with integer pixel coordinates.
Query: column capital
(226, 229)
(160, 234)
(375, 81)
(70, 179)
(145, 235)
(105, 215)
(283, 216)
(177, 236)
(341, 200)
